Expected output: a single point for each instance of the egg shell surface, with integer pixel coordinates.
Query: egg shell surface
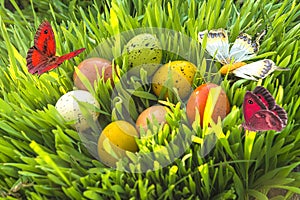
(93, 68)
(69, 109)
(182, 75)
(157, 111)
(121, 137)
(143, 51)
(198, 100)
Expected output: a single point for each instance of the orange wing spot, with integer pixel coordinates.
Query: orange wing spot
(230, 67)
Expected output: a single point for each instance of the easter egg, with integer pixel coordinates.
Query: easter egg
(70, 110)
(92, 69)
(181, 76)
(149, 115)
(198, 100)
(143, 51)
(119, 137)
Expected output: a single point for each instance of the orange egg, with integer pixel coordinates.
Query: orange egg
(198, 100)
(93, 68)
(156, 112)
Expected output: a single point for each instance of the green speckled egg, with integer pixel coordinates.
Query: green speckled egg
(143, 51)
(182, 76)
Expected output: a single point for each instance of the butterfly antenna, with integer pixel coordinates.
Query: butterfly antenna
(261, 35)
(278, 68)
(282, 69)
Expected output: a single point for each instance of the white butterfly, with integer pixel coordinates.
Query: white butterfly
(232, 58)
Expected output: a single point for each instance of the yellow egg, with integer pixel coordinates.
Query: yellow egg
(181, 74)
(120, 135)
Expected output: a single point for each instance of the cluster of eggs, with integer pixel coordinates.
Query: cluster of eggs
(142, 51)
(68, 105)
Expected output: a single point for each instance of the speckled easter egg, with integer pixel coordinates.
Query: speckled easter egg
(181, 76)
(115, 139)
(92, 69)
(69, 109)
(143, 51)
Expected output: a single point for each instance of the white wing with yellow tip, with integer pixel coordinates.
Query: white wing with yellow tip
(257, 70)
(243, 48)
(217, 44)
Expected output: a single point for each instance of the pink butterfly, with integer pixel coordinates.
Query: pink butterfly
(261, 112)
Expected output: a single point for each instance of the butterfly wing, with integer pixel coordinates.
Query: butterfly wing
(59, 60)
(35, 60)
(264, 120)
(69, 55)
(258, 116)
(257, 70)
(217, 44)
(265, 96)
(41, 57)
(281, 113)
(44, 40)
(43, 50)
(243, 48)
(251, 105)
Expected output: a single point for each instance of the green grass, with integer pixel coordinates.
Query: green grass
(42, 156)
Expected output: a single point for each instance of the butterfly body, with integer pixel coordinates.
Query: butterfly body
(41, 57)
(232, 57)
(231, 67)
(261, 113)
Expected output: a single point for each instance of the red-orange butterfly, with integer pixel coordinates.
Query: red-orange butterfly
(41, 57)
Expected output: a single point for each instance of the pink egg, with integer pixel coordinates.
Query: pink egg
(93, 68)
(157, 111)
